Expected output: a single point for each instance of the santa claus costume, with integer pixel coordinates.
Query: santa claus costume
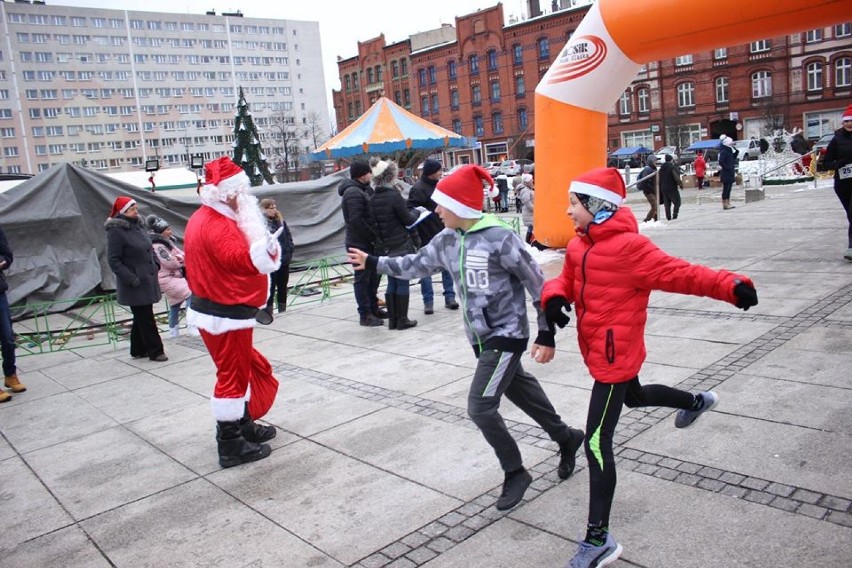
(229, 254)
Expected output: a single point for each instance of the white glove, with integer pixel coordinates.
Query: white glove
(272, 245)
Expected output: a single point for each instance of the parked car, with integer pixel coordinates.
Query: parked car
(820, 146)
(661, 153)
(748, 149)
(514, 167)
(492, 168)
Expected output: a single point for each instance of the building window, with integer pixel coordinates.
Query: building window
(369, 75)
(517, 54)
(451, 69)
(492, 60)
(843, 30)
(523, 122)
(759, 46)
(394, 68)
(424, 105)
(813, 36)
(378, 73)
(624, 104)
(478, 126)
(722, 94)
(543, 48)
(497, 123)
(686, 95)
(421, 77)
(843, 72)
(454, 100)
(433, 76)
(642, 97)
(403, 63)
(476, 95)
(355, 82)
(406, 98)
(520, 86)
(721, 53)
(473, 64)
(814, 72)
(761, 85)
(435, 106)
(347, 83)
(683, 60)
(397, 98)
(495, 91)
(457, 128)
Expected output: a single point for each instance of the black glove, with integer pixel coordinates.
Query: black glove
(545, 338)
(746, 295)
(553, 311)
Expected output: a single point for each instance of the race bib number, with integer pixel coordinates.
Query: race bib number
(476, 270)
(845, 172)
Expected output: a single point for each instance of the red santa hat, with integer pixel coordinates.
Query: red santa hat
(224, 179)
(461, 191)
(603, 183)
(847, 114)
(121, 204)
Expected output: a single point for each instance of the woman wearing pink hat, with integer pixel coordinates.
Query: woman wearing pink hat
(838, 156)
(131, 258)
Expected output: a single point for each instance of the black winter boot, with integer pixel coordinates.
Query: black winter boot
(401, 305)
(254, 432)
(393, 317)
(234, 449)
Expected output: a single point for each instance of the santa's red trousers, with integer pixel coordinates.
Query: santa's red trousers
(240, 366)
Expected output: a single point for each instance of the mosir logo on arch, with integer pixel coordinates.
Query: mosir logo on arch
(579, 57)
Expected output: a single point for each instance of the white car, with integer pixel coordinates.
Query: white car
(661, 154)
(748, 149)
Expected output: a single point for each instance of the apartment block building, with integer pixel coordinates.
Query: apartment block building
(110, 89)
(478, 79)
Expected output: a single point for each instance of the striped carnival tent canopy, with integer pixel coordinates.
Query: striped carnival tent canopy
(386, 128)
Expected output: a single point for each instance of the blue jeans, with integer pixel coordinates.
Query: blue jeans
(7, 338)
(397, 286)
(428, 292)
(174, 313)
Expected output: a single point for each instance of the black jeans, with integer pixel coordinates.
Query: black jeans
(726, 189)
(671, 198)
(278, 281)
(366, 287)
(7, 337)
(144, 336)
(844, 194)
(604, 411)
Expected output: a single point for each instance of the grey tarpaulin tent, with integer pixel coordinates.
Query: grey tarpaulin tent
(55, 225)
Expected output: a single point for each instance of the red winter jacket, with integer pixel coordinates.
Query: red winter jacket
(608, 274)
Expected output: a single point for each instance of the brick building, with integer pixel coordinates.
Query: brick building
(478, 79)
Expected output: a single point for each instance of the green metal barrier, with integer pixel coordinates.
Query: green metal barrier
(85, 322)
(318, 279)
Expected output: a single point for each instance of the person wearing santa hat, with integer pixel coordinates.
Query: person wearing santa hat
(608, 274)
(229, 255)
(838, 156)
(491, 267)
(131, 258)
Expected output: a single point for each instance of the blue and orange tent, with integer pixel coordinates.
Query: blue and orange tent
(386, 128)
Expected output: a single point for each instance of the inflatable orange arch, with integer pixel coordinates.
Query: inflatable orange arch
(607, 50)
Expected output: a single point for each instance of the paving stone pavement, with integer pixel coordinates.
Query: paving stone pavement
(110, 461)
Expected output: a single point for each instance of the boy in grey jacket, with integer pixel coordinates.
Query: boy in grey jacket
(491, 268)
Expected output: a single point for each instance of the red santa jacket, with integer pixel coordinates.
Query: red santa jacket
(221, 268)
(608, 274)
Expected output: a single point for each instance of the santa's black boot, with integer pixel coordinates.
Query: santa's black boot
(254, 432)
(236, 450)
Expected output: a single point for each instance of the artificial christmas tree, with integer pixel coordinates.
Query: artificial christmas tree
(247, 151)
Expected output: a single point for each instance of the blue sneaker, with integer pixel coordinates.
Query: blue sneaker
(685, 418)
(591, 556)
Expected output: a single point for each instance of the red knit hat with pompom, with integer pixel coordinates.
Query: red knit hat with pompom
(461, 191)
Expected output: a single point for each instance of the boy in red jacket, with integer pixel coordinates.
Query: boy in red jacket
(608, 274)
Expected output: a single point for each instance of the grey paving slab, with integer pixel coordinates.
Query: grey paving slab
(788, 454)
(800, 285)
(61, 549)
(684, 352)
(150, 394)
(147, 532)
(342, 506)
(713, 330)
(830, 369)
(843, 314)
(29, 363)
(28, 509)
(823, 340)
(88, 481)
(85, 372)
(34, 425)
(39, 386)
(459, 464)
(694, 528)
(197, 375)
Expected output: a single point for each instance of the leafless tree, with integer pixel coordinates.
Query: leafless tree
(286, 144)
(772, 114)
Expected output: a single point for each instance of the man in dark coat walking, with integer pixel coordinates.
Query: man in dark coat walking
(670, 186)
(361, 232)
(421, 196)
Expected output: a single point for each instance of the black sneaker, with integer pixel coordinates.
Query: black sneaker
(371, 321)
(513, 490)
(451, 304)
(568, 453)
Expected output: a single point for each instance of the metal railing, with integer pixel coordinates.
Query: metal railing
(85, 322)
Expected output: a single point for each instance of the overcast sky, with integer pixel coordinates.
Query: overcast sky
(342, 23)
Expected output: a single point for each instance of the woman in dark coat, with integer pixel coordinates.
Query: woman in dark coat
(838, 156)
(131, 257)
(392, 216)
(279, 279)
(727, 165)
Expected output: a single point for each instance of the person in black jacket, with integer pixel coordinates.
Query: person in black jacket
(421, 196)
(131, 257)
(727, 169)
(838, 156)
(393, 217)
(279, 279)
(7, 338)
(361, 232)
(670, 186)
(648, 186)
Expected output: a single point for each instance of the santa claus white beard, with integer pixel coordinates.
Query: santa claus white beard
(250, 218)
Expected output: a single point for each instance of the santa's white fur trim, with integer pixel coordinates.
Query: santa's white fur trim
(228, 409)
(596, 191)
(456, 207)
(216, 325)
(261, 259)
